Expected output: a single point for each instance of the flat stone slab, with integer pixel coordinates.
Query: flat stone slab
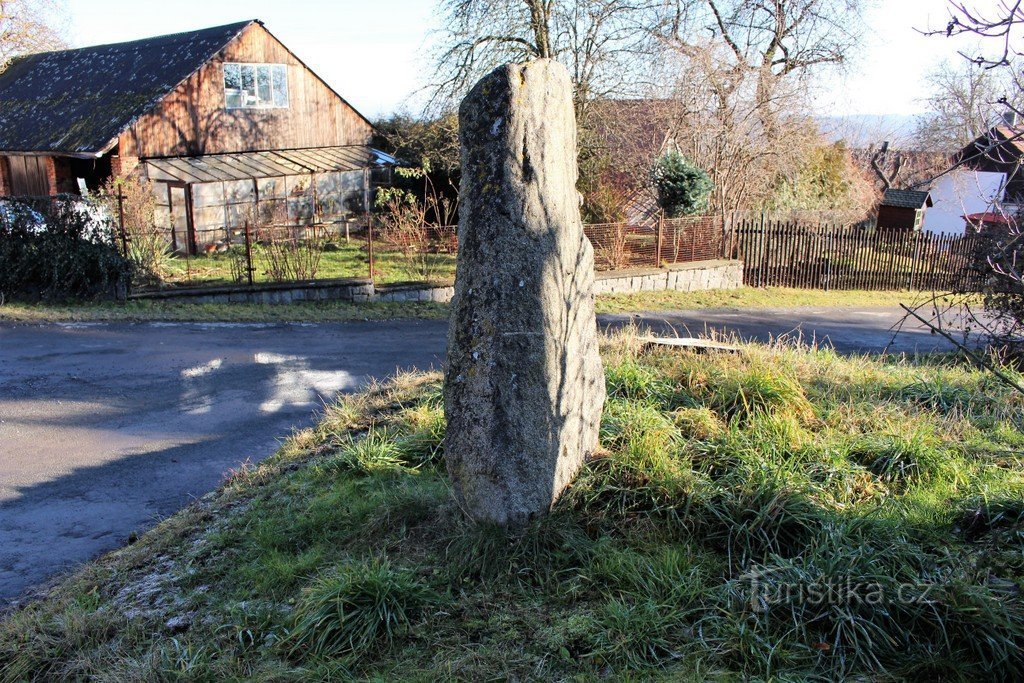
(691, 343)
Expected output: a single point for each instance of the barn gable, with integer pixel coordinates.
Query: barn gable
(193, 120)
(164, 96)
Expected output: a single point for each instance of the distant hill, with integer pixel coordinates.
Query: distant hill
(862, 130)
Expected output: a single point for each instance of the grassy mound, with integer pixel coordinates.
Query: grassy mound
(783, 513)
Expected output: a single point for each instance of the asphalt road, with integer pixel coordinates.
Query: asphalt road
(107, 427)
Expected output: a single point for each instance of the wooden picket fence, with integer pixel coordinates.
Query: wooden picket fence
(786, 253)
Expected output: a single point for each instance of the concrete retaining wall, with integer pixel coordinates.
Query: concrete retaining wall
(683, 277)
(355, 289)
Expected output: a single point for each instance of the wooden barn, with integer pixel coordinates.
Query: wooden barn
(221, 120)
(903, 210)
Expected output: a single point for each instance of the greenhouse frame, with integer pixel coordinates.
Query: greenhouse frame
(206, 201)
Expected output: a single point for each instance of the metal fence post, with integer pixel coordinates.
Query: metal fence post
(658, 239)
(120, 223)
(369, 242)
(248, 254)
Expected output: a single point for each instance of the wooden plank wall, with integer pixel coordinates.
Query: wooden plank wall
(778, 253)
(28, 176)
(193, 120)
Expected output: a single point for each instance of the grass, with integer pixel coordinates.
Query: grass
(757, 297)
(182, 311)
(786, 513)
(324, 311)
(340, 260)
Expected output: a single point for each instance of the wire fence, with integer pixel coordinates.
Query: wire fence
(617, 246)
(791, 252)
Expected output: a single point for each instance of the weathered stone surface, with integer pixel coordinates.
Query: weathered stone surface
(524, 385)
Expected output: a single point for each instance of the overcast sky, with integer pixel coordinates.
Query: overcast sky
(372, 51)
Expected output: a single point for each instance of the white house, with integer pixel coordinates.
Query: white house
(959, 193)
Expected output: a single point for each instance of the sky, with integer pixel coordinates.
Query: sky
(373, 52)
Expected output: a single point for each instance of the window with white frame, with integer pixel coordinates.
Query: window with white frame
(255, 86)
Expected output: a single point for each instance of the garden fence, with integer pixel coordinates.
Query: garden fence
(790, 252)
(834, 256)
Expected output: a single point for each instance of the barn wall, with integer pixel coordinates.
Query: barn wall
(193, 120)
(5, 182)
(31, 175)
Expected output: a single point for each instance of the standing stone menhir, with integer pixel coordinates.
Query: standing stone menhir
(523, 386)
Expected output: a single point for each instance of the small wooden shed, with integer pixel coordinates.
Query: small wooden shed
(903, 209)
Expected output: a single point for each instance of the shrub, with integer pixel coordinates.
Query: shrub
(682, 188)
(604, 203)
(149, 247)
(57, 250)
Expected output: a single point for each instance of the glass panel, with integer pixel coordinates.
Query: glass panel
(330, 195)
(238, 191)
(280, 85)
(232, 86)
(248, 85)
(237, 215)
(162, 216)
(159, 193)
(263, 86)
(270, 187)
(207, 194)
(297, 184)
(179, 219)
(353, 182)
(208, 218)
(300, 210)
(300, 200)
(255, 85)
(273, 211)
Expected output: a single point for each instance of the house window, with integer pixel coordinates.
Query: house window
(255, 86)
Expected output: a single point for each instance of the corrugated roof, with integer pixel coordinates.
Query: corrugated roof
(77, 102)
(245, 165)
(905, 199)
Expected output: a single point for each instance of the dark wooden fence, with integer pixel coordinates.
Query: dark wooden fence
(831, 256)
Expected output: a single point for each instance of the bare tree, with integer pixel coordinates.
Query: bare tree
(967, 99)
(997, 24)
(599, 41)
(28, 26)
(773, 40)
